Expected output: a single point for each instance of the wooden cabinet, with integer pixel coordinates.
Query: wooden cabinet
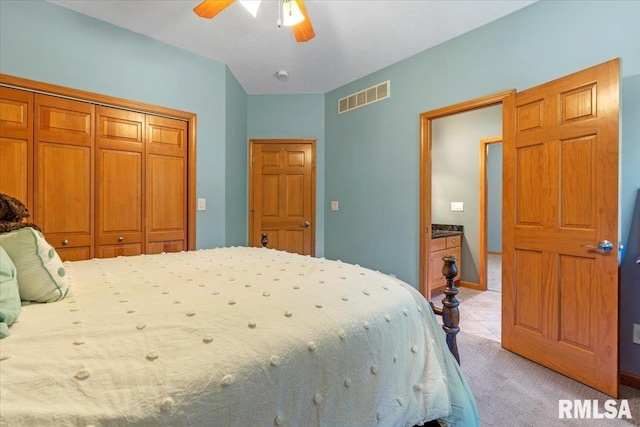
(100, 181)
(441, 246)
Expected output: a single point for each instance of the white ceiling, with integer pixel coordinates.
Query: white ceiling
(353, 37)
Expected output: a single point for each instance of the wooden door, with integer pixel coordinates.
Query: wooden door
(64, 175)
(120, 136)
(166, 185)
(282, 195)
(560, 297)
(16, 145)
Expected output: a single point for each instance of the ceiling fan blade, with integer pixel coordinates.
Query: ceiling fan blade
(304, 30)
(210, 8)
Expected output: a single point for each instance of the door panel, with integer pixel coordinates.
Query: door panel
(64, 174)
(560, 298)
(282, 201)
(120, 182)
(166, 185)
(16, 145)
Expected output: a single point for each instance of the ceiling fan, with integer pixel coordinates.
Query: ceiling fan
(292, 13)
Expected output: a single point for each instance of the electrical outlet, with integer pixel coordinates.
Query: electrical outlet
(636, 333)
(335, 205)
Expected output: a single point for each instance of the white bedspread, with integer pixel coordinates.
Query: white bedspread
(225, 337)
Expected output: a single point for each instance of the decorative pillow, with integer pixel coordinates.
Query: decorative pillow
(12, 209)
(41, 276)
(9, 296)
(12, 214)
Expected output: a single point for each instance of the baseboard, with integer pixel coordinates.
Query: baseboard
(494, 253)
(630, 380)
(470, 285)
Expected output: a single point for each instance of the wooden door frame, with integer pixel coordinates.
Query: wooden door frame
(484, 144)
(111, 101)
(426, 128)
(312, 141)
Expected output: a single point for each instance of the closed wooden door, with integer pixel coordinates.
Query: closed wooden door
(560, 210)
(282, 195)
(64, 175)
(166, 185)
(16, 145)
(120, 183)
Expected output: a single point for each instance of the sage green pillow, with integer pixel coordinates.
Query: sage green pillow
(9, 296)
(41, 275)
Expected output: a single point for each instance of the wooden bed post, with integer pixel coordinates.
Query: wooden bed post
(449, 311)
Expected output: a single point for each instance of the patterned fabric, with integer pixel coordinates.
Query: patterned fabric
(12, 214)
(231, 337)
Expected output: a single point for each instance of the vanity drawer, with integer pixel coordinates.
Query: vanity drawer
(453, 241)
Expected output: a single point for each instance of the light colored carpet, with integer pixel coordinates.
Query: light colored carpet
(513, 391)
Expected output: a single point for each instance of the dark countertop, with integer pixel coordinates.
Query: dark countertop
(435, 234)
(446, 230)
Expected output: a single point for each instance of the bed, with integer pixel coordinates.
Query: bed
(230, 337)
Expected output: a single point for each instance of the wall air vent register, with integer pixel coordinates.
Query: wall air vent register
(364, 97)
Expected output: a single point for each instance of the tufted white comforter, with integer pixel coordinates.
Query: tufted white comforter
(228, 337)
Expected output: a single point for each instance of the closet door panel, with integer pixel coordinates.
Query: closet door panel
(64, 194)
(166, 217)
(16, 145)
(64, 174)
(120, 182)
(166, 191)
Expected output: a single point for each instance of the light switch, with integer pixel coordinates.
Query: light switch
(335, 205)
(457, 206)
(202, 204)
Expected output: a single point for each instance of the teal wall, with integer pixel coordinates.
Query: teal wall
(45, 42)
(455, 177)
(236, 153)
(372, 153)
(293, 116)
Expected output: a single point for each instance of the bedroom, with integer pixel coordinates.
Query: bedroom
(59, 43)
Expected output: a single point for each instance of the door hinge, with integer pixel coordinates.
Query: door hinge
(253, 159)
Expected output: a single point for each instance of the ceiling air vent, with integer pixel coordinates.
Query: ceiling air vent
(364, 97)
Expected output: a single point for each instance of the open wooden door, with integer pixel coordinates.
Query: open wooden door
(560, 225)
(282, 194)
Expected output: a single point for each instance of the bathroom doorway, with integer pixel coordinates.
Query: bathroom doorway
(491, 214)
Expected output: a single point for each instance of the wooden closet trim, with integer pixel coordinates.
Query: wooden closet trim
(99, 99)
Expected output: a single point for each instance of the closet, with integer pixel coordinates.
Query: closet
(101, 181)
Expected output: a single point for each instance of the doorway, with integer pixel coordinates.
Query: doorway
(282, 189)
(491, 214)
(426, 181)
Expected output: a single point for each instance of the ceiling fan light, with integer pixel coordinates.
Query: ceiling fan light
(291, 14)
(252, 6)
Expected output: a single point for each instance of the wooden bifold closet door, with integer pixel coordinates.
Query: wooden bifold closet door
(16, 144)
(64, 174)
(166, 180)
(100, 181)
(120, 163)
